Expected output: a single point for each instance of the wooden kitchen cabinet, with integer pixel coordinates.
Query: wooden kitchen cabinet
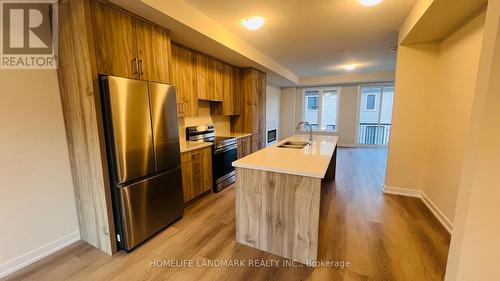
(115, 41)
(253, 108)
(218, 77)
(129, 47)
(153, 47)
(196, 166)
(244, 146)
(210, 78)
(185, 81)
(231, 92)
(236, 91)
(260, 117)
(206, 69)
(202, 88)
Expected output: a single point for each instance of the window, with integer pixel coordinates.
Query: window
(370, 102)
(320, 108)
(312, 102)
(375, 114)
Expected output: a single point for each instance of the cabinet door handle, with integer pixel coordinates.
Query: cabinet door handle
(196, 168)
(135, 65)
(179, 109)
(140, 67)
(195, 156)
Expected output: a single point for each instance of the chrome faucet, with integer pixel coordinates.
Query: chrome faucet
(310, 130)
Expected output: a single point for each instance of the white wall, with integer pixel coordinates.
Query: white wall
(273, 107)
(433, 98)
(37, 203)
(475, 244)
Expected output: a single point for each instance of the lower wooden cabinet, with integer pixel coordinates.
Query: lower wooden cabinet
(196, 166)
(244, 146)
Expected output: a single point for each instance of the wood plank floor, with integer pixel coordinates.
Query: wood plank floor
(384, 237)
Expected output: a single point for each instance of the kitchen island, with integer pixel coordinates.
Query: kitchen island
(278, 196)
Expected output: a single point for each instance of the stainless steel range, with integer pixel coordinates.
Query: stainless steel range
(224, 152)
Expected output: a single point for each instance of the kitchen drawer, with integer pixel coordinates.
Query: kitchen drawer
(196, 174)
(196, 154)
(244, 146)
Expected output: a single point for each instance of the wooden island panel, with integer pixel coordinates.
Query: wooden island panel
(278, 213)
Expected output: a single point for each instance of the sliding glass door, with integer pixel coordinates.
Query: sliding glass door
(375, 114)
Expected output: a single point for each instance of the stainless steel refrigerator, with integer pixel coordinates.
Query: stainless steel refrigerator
(142, 137)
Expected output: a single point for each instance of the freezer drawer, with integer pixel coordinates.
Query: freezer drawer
(149, 205)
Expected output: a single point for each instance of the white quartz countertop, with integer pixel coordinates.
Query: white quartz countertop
(310, 161)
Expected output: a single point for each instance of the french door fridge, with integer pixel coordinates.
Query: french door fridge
(140, 120)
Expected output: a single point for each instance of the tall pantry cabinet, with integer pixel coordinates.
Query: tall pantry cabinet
(253, 108)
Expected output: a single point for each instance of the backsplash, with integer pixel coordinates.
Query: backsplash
(222, 123)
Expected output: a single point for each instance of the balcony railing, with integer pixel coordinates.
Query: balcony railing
(373, 134)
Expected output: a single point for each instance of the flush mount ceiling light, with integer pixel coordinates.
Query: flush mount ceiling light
(370, 3)
(350, 67)
(253, 23)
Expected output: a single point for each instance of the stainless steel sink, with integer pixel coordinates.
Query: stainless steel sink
(294, 144)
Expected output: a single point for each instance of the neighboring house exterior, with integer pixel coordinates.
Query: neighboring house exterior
(326, 101)
(375, 105)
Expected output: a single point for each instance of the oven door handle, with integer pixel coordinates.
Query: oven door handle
(225, 149)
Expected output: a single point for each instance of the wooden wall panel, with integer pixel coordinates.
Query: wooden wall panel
(77, 74)
(278, 213)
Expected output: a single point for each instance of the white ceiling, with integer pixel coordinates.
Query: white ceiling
(316, 37)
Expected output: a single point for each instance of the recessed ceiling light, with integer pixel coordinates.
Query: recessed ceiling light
(350, 67)
(253, 23)
(370, 3)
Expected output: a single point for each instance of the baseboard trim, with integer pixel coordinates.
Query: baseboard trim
(445, 222)
(437, 213)
(402, 191)
(37, 254)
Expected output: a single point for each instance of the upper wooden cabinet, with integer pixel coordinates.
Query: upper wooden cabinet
(202, 89)
(153, 45)
(236, 91)
(253, 107)
(115, 41)
(231, 92)
(129, 47)
(210, 78)
(218, 76)
(213, 81)
(185, 81)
